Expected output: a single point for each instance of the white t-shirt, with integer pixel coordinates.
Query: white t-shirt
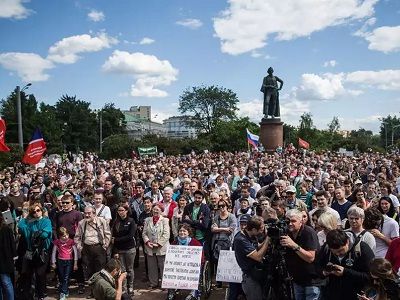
(105, 213)
(390, 229)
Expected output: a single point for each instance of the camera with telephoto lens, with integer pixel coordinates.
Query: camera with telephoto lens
(276, 228)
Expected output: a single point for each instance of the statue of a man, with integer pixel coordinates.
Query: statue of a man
(270, 89)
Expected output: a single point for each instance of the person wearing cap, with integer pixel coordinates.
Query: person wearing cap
(249, 255)
(292, 201)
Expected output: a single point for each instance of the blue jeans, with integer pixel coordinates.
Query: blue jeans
(6, 287)
(306, 292)
(64, 271)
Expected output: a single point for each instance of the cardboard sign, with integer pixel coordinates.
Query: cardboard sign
(228, 269)
(182, 267)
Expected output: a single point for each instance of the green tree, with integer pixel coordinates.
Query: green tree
(334, 125)
(289, 134)
(8, 109)
(231, 135)
(307, 130)
(208, 105)
(113, 120)
(78, 124)
(389, 131)
(51, 127)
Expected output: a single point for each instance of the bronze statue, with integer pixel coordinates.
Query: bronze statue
(270, 89)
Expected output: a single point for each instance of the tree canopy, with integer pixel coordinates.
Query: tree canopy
(208, 105)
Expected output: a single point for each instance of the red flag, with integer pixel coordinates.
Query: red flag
(3, 146)
(304, 144)
(35, 150)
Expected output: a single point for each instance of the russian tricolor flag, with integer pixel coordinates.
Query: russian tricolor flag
(252, 139)
(35, 150)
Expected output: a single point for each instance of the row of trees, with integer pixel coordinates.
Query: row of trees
(71, 125)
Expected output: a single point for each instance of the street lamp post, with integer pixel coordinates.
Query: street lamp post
(386, 139)
(19, 114)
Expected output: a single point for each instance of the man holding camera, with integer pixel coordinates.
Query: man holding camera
(345, 265)
(249, 255)
(301, 244)
(107, 283)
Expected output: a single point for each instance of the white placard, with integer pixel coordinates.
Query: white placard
(182, 267)
(228, 269)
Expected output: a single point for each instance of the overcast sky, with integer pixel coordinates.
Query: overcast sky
(336, 58)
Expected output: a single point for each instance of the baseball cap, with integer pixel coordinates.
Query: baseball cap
(358, 181)
(244, 218)
(291, 189)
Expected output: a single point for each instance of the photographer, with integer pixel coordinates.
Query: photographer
(248, 256)
(345, 264)
(301, 245)
(107, 283)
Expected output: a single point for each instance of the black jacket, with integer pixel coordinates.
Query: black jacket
(354, 277)
(7, 250)
(123, 233)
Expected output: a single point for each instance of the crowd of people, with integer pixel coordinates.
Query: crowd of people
(90, 219)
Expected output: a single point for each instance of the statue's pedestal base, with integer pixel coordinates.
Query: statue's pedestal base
(271, 133)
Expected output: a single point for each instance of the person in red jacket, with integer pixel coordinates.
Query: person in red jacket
(393, 255)
(184, 239)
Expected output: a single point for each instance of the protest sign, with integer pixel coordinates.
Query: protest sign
(228, 269)
(182, 267)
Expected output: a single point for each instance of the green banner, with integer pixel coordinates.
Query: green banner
(147, 151)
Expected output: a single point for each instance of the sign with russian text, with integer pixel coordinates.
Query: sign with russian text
(182, 267)
(228, 269)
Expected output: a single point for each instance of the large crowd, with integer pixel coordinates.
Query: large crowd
(91, 219)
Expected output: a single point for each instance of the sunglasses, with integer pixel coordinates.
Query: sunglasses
(37, 210)
(64, 202)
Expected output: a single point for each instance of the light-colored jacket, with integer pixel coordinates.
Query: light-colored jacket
(103, 230)
(156, 233)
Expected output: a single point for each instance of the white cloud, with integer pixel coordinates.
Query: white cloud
(96, 16)
(247, 25)
(66, 51)
(385, 39)
(146, 41)
(384, 79)
(29, 66)
(148, 70)
(13, 9)
(325, 87)
(291, 110)
(190, 23)
(330, 63)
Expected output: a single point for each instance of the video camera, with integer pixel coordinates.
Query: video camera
(276, 228)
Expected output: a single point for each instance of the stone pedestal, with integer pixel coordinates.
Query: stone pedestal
(271, 133)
